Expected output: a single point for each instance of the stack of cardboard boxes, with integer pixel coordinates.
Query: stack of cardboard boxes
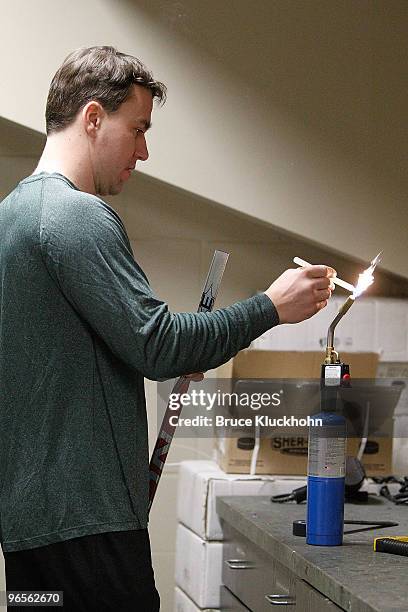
(199, 544)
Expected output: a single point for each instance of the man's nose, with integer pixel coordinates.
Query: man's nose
(142, 151)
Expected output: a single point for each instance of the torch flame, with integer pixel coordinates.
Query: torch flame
(366, 278)
(364, 281)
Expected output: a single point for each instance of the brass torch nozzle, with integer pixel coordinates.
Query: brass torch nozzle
(331, 355)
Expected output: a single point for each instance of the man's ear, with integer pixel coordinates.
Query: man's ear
(92, 116)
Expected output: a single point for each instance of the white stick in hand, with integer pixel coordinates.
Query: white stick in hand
(334, 279)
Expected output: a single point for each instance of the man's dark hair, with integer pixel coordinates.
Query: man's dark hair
(95, 73)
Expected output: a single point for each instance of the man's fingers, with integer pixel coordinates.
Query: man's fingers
(320, 271)
(322, 295)
(321, 283)
(316, 271)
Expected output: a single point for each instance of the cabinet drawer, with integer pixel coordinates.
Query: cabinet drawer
(230, 603)
(252, 576)
(310, 600)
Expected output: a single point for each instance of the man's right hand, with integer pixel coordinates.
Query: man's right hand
(298, 294)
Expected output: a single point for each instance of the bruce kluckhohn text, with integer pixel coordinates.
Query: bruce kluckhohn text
(256, 420)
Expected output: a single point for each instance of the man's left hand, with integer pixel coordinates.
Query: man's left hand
(196, 376)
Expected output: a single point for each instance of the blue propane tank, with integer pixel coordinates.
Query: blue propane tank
(327, 464)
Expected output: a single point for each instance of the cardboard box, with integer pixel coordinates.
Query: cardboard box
(287, 455)
(200, 482)
(198, 568)
(182, 603)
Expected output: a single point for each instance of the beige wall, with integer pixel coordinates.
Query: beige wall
(291, 112)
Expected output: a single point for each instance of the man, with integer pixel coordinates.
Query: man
(79, 330)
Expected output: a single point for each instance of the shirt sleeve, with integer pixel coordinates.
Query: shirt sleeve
(87, 252)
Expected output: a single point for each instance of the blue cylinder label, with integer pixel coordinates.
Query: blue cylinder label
(327, 456)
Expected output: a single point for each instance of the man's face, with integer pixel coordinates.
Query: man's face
(120, 142)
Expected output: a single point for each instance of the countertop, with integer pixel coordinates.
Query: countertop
(353, 575)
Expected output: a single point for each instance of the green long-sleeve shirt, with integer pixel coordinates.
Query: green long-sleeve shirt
(80, 328)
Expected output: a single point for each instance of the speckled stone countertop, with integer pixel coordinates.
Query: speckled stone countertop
(353, 576)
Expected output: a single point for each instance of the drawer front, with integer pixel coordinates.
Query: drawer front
(310, 600)
(252, 576)
(230, 602)
(280, 588)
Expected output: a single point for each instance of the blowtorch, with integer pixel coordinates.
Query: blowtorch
(327, 442)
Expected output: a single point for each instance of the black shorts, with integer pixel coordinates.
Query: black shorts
(108, 572)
